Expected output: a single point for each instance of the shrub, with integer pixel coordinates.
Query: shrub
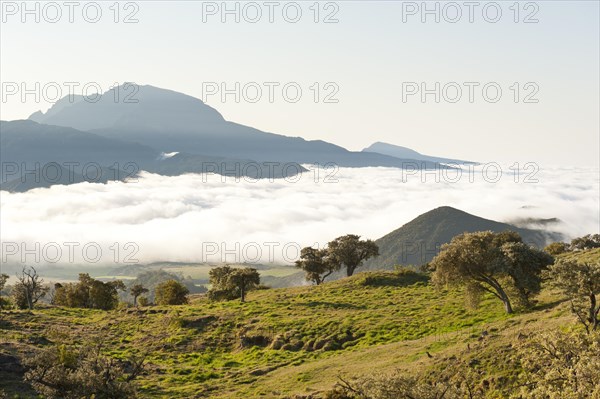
(171, 292)
(88, 293)
(68, 373)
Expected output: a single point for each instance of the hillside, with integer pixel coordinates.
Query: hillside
(283, 341)
(419, 240)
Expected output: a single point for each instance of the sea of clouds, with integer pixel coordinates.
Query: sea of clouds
(209, 218)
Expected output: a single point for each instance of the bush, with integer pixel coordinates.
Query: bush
(143, 301)
(561, 366)
(396, 386)
(88, 293)
(68, 373)
(557, 248)
(171, 292)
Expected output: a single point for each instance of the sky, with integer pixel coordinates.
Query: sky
(365, 63)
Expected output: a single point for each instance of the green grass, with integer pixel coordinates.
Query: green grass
(291, 340)
(589, 256)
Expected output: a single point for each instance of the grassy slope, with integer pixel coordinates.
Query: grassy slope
(591, 255)
(367, 323)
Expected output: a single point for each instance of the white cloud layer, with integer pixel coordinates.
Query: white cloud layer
(195, 217)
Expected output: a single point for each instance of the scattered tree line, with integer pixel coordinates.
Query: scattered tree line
(589, 241)
(90, 293)
(346, 252)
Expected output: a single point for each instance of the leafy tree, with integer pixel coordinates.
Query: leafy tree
(151, 279)
(136, 290)
(316, 264)
(230, 283)
(171, 292)
(3, 280)
(88, 293)
(490, 262)
(557, 248)
(29, 288)
(580, 282)
(349, 251)
(221, 288)
(69, 373)
(524, 266)
(244, 280)
(588, 241)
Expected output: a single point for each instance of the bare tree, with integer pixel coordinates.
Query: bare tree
(29, 289)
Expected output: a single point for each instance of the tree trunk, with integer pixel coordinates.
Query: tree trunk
(243, 294)
(349, 271)
(501, 294)
(507, 306)
(29, 301)
(505, 300)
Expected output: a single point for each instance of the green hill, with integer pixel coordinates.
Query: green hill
(285, 341)
(419, 240)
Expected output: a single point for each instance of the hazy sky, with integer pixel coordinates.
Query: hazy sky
(370, 54)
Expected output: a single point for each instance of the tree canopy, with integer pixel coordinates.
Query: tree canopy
(231, 283)
(136, 290)
(88, 293)
(580, 282)
(171, 292)
(497, 263)
(350, 252)
(316, 263)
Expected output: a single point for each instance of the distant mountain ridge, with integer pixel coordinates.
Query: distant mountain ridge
(46, 155)
(404, 152)
(418, 241)
(169, 121)
(139, 126)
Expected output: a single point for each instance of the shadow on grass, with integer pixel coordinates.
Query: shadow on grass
(547, 305)
(403, 278)
(332, 305)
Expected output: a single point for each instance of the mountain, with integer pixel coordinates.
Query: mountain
(419, 240)
(30, 142)
(403, 152)
(45, 155)
(169, 121)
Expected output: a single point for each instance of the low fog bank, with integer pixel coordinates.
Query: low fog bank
(200, 218)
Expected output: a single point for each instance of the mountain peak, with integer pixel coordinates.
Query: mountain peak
(131, 107)
(419, 240)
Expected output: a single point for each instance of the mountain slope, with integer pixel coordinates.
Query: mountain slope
(419, 240)
(31, 142)
(169, 121)
(46, 155)
(404, 152)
